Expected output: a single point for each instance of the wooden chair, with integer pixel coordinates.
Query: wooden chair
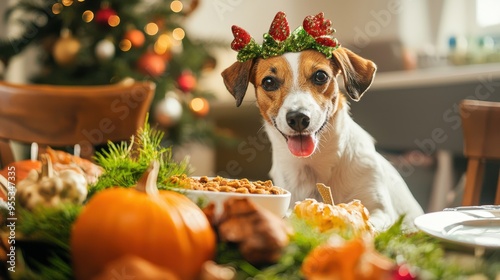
(60, 116)
(481, 129)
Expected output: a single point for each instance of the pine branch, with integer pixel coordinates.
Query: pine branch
(124, 163)
(420, 251)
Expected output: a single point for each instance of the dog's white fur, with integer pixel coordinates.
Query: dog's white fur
(344, 158)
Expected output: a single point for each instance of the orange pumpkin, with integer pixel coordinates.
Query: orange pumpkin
(162, 227)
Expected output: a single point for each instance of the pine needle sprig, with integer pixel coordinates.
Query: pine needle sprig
(422, 252)
(48, 224)
(43, 242)
(124, 163)
(59, 269)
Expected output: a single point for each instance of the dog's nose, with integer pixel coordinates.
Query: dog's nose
(297, 121)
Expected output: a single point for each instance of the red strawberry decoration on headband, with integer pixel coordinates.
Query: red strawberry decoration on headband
(316, 33)
(318, 26)
(279, 30)
(241, 38)
(327, 41)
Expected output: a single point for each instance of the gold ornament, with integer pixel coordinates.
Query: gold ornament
(66, 49)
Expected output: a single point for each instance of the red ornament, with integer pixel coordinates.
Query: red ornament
(151, 64)
(102, 16)
(186, 81)
(402, 272)
(136, 37)
(241, 38)
(279, 30)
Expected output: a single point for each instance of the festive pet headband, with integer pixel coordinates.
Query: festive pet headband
(315, 33)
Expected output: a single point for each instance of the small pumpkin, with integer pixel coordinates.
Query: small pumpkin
(354, 259)
(162, 227)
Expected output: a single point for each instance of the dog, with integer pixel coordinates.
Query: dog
(313, 137)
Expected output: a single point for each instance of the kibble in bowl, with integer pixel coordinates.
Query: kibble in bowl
(218, 189)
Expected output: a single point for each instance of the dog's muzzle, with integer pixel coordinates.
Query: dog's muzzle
(297, 120)
(301, 143)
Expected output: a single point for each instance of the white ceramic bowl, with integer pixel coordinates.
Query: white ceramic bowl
(276, 203)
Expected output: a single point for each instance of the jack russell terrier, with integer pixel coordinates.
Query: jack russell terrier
(313, 137)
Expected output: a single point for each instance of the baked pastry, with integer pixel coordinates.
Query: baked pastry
(349, 217)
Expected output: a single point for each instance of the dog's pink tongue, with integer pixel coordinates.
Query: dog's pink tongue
(301, 146)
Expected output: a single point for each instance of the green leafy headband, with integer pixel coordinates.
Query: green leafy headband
(315, 33)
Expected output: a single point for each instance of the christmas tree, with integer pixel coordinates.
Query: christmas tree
(95, 42)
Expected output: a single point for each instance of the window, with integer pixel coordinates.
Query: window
(487, 12)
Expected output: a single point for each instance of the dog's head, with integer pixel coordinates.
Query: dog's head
(297, 92)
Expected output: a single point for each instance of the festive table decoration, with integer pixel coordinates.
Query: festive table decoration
(162, 227)
(50, 188)
(349, 217)
(60, 160)
(119, 226)
(22, 169)
(354, 259)
(260, 235)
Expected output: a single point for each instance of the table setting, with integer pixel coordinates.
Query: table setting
(145, 217)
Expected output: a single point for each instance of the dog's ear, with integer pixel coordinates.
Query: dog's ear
(236, 78)
(358, 73)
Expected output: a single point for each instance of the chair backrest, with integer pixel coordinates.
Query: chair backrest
(481, 129)
(60, 116)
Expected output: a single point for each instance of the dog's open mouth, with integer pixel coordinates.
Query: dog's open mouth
(301, 145)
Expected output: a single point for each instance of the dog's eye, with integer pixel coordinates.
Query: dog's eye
(270, 84)
(320, 77)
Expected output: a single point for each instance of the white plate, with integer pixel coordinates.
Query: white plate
(472, 228)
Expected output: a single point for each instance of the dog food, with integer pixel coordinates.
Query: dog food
(220, 184)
